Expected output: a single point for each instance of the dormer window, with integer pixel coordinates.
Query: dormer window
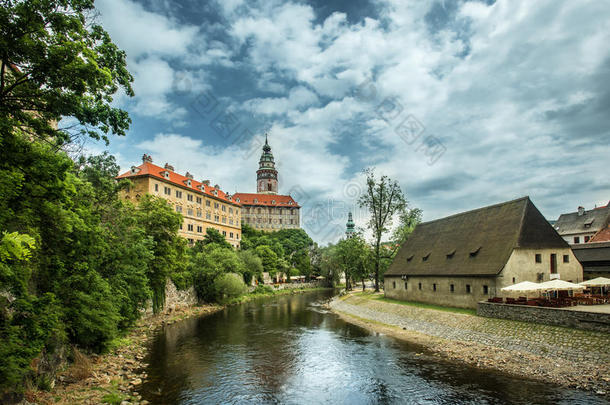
(237, 199)
(256, 201)
(135, 169)
(188, 182)
(425, 258)
(589, 222)
(410, 258)
(451, 254)
(475, 251)
(165, 174)
(290, 202)
(273, 202)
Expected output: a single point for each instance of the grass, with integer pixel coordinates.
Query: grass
(272, 293)
(378, 297)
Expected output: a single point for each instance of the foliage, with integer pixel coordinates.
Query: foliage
(383, 199)
(229, 285)
(354, 257)
(57, 63)
(269, 259)
(253, 266)
(210, 263)
(161, 223)
(212, 235)
(408, 220)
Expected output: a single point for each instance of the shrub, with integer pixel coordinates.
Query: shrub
(229, 285)
(263, 289)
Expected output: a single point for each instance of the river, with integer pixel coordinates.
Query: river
(290, 350)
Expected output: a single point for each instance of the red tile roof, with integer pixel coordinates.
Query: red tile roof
(272, 200)
(149, 169)
(603, 235)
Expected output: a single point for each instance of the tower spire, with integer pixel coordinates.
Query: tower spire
(266, 175)
(349, 231)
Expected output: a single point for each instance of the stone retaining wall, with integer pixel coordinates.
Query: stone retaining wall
(549, 316)
(175, 298)
(286, 286)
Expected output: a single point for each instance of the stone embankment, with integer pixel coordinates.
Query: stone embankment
(565, 356)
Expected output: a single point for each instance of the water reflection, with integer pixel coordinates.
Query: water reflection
(290, 350)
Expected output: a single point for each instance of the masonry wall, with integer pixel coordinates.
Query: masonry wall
(550, 316)
(461, 296)
(522, 266)
(271, 218)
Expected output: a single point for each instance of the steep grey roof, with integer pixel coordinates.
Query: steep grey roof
(475, 243)
(592, 252)
(591, 221)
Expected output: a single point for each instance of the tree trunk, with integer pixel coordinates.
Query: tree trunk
(363, 286)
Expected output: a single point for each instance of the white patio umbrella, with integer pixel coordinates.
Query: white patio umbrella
(597, 282)
(524, 286)
(601, 282)
(560, 285)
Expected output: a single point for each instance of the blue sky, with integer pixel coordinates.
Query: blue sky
(465, 103)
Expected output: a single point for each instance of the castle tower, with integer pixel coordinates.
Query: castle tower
(266, 175)
(350, 231)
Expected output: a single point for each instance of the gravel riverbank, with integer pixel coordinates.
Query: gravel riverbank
(564, 356)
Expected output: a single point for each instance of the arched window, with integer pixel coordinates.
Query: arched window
(269, 186)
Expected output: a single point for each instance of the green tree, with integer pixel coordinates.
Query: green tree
(207, 265)
(161, 223)
(269, 259)
(408, 220)
(353, 257)
(212, 235)
(56, 63)
(229, 285)
(383, 199)
(253, 266)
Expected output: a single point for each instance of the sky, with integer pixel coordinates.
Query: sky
(464, 103)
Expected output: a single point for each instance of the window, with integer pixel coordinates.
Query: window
(451, 287)
(208, 215)
(230, 221)
(425, 258)
(224, 208)
(236, 236)
(198, 199)
(199, 229)
(178, 208)
(224, 220)
(394, 284)
(410, 258)
(576, 239)
(167, 191)
(475, 251)
(224, 233)
(199, 213)
(566, 258)
(538, 258)
(156, 187)
(178, 194)
(216, 205)
(419, 285)
(189, 197)
(207, 203)
(231, 235)
(485, 290)
(514, 280)
(190, 227)
(467, 288)
(216, 218)
(189, 212)
(586, 239)
(434, 287)
(406, 285)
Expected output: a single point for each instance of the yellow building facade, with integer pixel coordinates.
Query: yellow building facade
(202, 206)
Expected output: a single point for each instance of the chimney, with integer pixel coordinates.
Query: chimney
(169, 167)
(581, 211)
(216, 186)
(146, 158)
(206, 182)
(189, 176)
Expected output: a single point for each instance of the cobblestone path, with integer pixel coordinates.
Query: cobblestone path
(545, 340)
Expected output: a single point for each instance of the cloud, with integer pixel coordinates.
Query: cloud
(516, 92)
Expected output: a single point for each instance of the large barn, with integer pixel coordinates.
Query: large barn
(468, 257)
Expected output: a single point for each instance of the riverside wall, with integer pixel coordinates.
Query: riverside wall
(594, 321)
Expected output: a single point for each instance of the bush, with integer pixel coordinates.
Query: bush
(229, 285)
(263, 289)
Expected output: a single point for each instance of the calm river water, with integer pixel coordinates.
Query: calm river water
(290, 350)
